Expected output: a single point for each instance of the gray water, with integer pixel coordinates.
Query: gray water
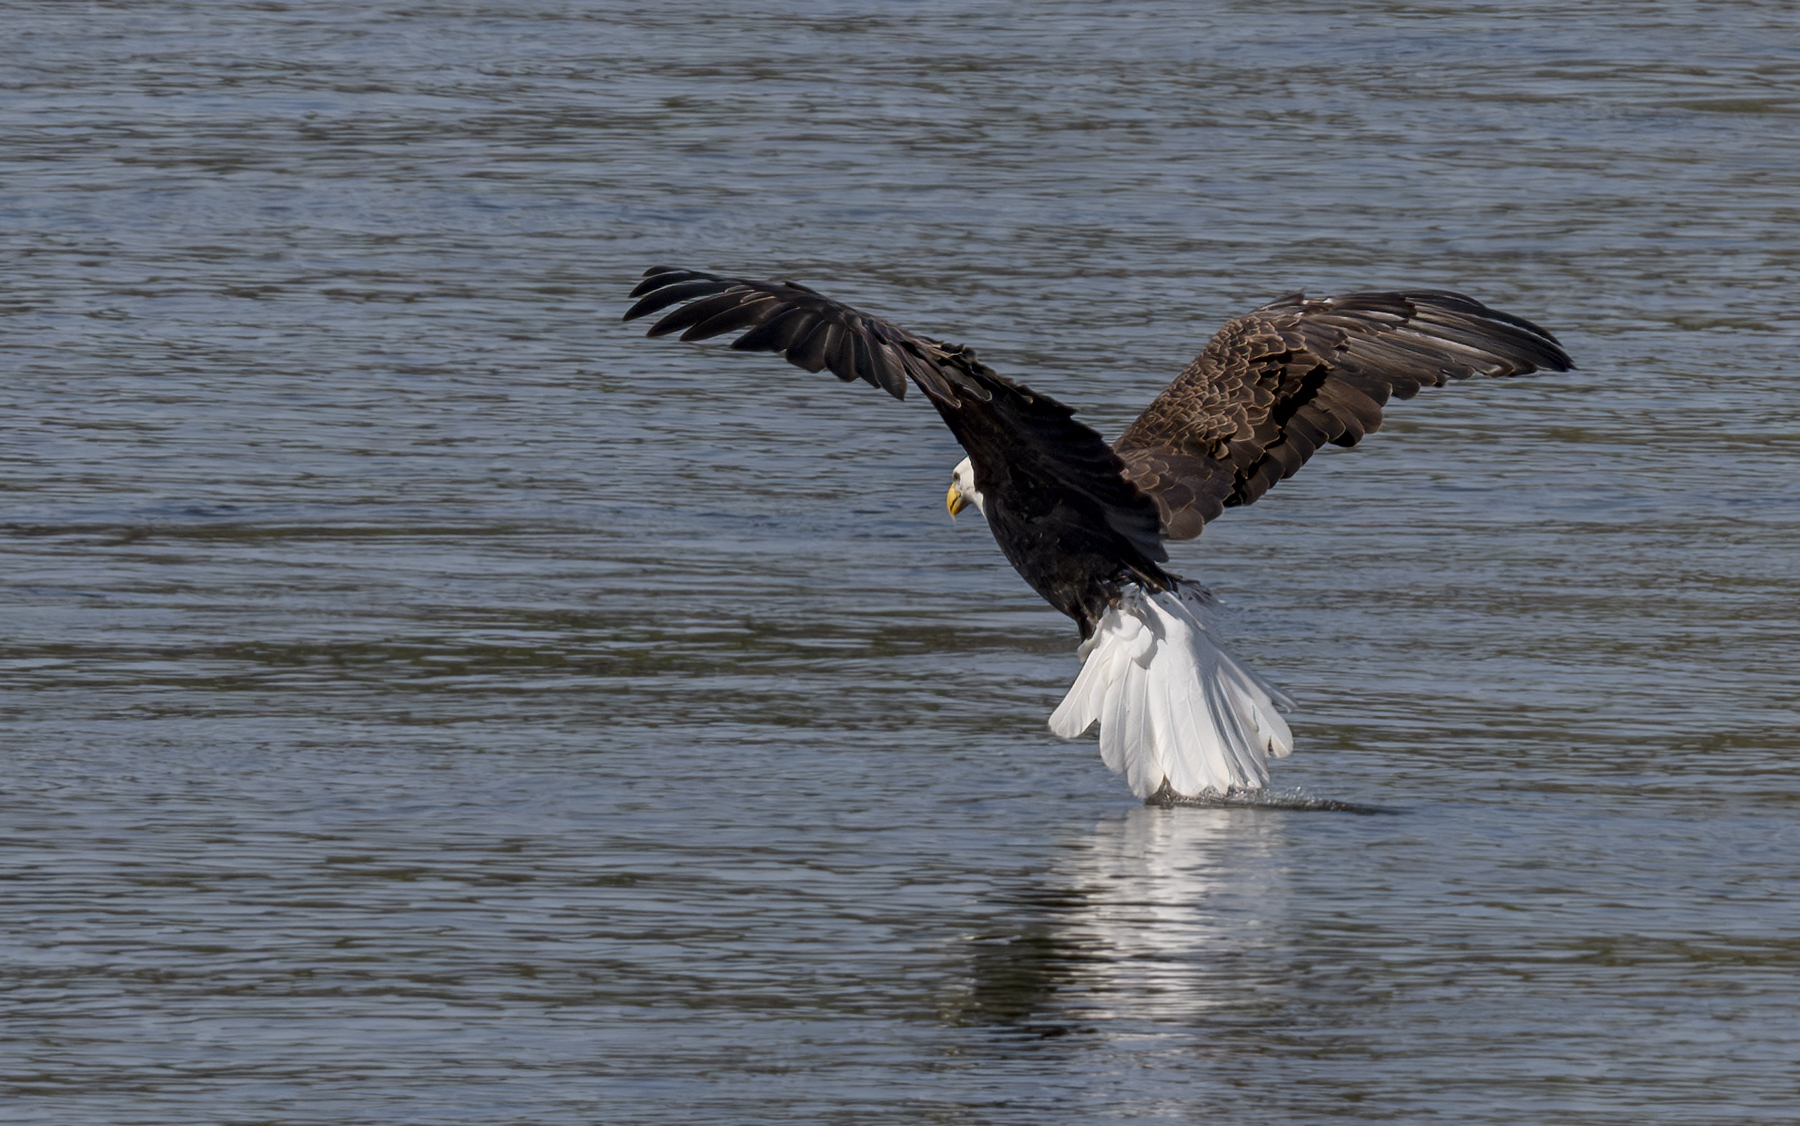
(427, 701)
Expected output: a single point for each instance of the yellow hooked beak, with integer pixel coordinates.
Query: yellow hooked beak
(955, 501)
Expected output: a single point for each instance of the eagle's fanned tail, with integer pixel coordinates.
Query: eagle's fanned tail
(1172, 704)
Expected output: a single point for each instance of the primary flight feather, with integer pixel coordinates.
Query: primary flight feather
(1084, 522)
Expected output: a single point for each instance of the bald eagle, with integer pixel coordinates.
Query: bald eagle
(1084, 522)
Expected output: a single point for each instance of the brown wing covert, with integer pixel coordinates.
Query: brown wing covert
(1276, 384)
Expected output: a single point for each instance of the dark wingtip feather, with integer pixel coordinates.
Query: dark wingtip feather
(658, 276)
(1527, 342)
(672, 293)
(810, 330)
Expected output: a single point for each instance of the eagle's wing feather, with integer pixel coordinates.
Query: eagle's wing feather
(1276, 384)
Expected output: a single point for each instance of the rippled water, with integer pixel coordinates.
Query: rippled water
(426, 701)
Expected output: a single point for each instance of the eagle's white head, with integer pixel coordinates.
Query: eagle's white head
(963, 492)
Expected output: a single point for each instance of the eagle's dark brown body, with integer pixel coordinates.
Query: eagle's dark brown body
(1057, 502)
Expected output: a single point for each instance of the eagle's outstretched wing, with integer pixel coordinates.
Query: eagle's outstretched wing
(1056, 496)
(1276, 384)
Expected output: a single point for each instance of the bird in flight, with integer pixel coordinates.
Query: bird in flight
(1085, 522)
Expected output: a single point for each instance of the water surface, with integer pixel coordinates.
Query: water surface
(427, 701)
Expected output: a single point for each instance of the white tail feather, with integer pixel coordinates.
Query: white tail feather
(1171, 703)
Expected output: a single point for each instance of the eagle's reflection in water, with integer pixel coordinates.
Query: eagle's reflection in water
(1157, 916)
